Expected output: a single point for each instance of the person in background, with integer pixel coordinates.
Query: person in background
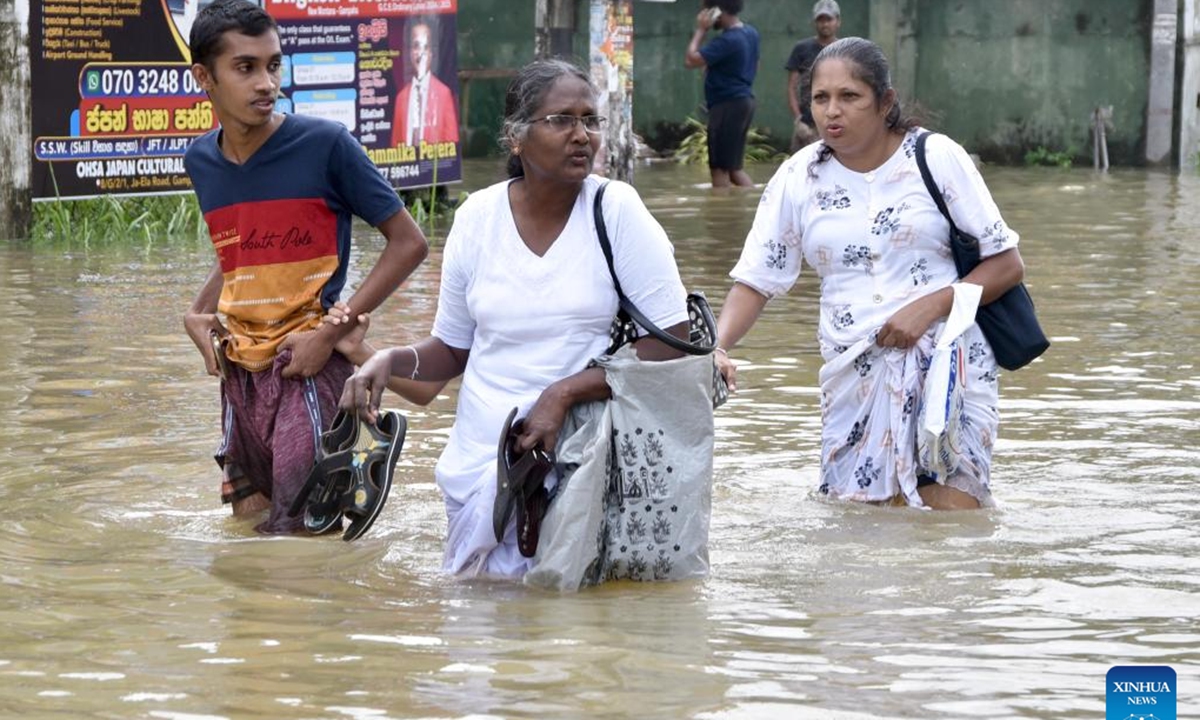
(278, 193)
(826, 20)
(730, 62)
(526, 302)
(854, 207)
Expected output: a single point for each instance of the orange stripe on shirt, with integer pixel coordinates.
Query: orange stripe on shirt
(276, 257)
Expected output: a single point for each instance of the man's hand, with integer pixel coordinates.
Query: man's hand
(199, 326)
(692, 57)
(354, 345)
(310, 352)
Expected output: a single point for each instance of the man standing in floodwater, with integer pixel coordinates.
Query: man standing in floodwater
(730, 62)
(278, 193)
(827, 20)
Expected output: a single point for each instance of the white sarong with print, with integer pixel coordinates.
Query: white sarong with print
(870, 399)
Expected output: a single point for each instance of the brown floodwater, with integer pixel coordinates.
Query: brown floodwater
(127, 591)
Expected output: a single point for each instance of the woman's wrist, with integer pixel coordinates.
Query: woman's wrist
(403, 362)
(562, 393)
(398, 361)
(584, 386)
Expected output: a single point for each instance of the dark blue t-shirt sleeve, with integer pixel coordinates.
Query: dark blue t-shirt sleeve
(717, 49)
(358, 183)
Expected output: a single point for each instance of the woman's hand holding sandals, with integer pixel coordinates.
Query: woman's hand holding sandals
(545, 420)
(364, 389)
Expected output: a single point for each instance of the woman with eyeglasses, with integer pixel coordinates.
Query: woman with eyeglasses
(526, 302)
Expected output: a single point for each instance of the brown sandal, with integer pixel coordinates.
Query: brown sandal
(520, 486)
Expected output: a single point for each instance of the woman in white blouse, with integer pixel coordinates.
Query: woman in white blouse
(855, 208)
(526, 302)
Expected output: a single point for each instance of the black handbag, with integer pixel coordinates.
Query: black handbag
(1009, 322)
(702, 326)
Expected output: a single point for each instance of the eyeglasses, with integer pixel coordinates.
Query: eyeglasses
(562, 123)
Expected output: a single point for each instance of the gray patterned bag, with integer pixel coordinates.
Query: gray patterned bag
(636, 493)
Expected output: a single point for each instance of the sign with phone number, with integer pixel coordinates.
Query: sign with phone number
(137, 80)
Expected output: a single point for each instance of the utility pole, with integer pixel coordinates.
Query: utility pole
(610, 28)
(16, 144)
(1189, 97)
(1160, 105)
(554, 28)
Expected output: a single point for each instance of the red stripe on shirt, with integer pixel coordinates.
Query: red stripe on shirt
(270, 232)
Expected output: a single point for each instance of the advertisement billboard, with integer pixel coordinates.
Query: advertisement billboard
(115, 106)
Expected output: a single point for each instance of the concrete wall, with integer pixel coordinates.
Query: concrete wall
(1160, 104)
(1002, 77)
(1007, 76)
(494, 38)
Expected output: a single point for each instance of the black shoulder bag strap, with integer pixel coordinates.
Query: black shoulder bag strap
(627, 304)
(1009, 322)
(964, 247)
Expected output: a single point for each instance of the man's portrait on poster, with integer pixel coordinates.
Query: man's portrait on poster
(425, 110)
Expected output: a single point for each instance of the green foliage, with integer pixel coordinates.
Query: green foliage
(760, 149)
(693, 149)
(172, 219)
(113, 219)
(429, 205)
(1041, 156)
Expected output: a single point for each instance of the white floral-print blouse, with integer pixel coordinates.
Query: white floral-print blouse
(876, 239)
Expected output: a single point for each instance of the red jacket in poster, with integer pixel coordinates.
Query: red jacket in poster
(439, 115)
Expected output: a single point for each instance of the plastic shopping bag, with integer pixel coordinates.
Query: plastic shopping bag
(939, 420)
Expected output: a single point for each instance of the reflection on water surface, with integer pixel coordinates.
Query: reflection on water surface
(128, 592)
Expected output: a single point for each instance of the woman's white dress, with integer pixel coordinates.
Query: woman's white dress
(877, 241)
(529, 321)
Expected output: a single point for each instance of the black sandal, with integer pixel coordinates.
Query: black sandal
(520, 485)
(374, 466)
(321, 509)
(505, 497)
(353, 475)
